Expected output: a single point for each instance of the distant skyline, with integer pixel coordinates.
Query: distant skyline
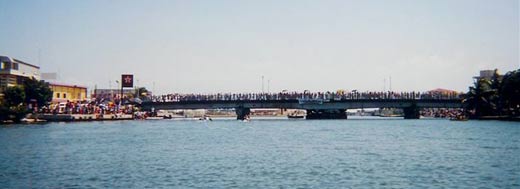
(227, 46)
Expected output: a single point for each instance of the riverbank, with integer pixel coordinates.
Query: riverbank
(42, 118)
(82, 117)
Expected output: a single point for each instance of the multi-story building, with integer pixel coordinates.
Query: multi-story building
(13, 72)
(64, 93)
(487, 74)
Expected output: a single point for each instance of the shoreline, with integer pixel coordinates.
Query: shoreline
(46, 118)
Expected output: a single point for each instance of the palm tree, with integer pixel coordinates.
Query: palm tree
(510, 93)
(481, 98)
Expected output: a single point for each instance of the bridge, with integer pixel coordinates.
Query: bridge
(318, 107)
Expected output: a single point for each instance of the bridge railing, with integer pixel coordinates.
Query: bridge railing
(306, 96)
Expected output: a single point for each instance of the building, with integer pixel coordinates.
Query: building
(13, 72)
(487, 74)
(443, 91)
(64, 93)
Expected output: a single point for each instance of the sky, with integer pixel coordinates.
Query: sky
(227, 46)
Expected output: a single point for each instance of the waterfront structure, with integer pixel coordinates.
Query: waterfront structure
(316, 109)
(13, 72)
(64, 93)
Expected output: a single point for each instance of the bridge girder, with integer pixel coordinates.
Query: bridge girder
(294, 104)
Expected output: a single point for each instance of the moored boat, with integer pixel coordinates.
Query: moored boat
(295, 116)
(459, 118)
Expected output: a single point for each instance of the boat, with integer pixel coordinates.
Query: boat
(295, 116)
(154, 118)
(459, 118)
(246, 119)
(205, 118)
(167, 117)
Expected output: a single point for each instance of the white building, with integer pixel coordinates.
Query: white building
(485, 74)
(13, 72)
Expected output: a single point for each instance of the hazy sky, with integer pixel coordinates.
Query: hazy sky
(211, 46)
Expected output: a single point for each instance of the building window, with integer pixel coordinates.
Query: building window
(57, 95)
(64, 95)
(5, 65)
(15, 66)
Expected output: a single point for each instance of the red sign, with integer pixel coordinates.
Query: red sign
(127, 80)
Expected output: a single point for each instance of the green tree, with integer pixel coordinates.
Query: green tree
(14, 96)
(12, 106)
(510, 93)
(496, 82)
(37, 91)
(4, 112)
(141, 92)
(480, 97)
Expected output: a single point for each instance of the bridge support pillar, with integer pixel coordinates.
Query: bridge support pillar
(411, 112)
(326, 114)
(242, 113)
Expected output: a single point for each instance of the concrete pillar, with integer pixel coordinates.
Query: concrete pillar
(242, 113)
(326, 114)
(411, 113)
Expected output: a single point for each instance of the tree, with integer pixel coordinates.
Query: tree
(14, 96)
(480, 98)
(496, 82)
(37, 91)
(4, 112)
(141, 92)
(510, 93)
(13, 107)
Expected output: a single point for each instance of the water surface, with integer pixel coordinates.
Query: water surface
(355, 153)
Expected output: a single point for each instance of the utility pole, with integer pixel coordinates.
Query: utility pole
(120, 95)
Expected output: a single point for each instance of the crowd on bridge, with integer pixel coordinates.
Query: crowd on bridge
(339, 95)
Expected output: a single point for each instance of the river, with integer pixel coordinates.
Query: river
(266, 153)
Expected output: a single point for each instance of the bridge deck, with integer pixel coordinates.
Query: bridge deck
(309, 104)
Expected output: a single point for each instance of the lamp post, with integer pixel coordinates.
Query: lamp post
(120, 97)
